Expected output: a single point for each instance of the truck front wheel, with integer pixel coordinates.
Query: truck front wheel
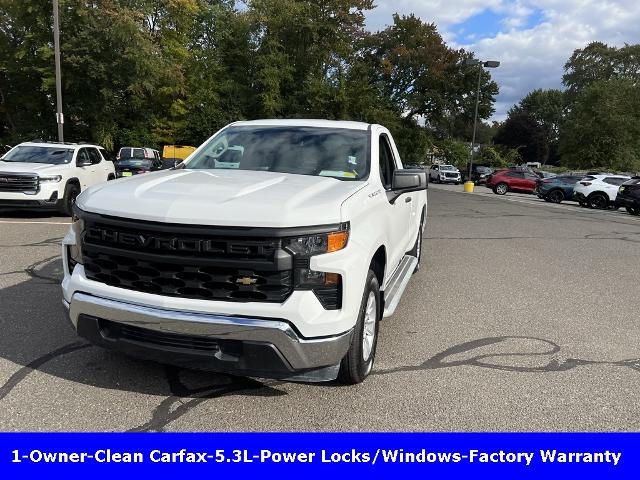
(357, 363)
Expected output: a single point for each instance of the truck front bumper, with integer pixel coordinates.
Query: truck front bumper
(258, 347)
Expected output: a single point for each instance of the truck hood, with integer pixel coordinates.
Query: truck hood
(23, 167)
(222, 197)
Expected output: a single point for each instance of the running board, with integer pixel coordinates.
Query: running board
(397, 283)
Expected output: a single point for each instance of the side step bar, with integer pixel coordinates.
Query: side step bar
(397, 283)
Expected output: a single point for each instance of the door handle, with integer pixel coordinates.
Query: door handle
(407, 199)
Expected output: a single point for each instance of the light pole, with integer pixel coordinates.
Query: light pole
(481, 65)
(56, 46)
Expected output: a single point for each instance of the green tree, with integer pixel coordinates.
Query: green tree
(547, 109)
(602, 129)
(597, 62)
(455, 152)
(521, 132)
(422, 76)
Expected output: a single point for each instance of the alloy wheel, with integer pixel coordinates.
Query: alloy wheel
(369, 333)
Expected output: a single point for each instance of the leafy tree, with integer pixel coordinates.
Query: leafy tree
(149, 72)
(456, 152)
(597, 62)
(546, 108)
(521, 132)
(421, 75)
(602, 130)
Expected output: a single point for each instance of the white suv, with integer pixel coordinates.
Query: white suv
(51, 175)
(444, 174)
(598, 191)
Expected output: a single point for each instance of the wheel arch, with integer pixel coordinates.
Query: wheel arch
(73, 181)
(598, 192)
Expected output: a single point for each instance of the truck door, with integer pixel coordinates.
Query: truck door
(399, 212)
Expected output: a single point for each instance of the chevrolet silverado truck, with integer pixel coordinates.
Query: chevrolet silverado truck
(273, 251)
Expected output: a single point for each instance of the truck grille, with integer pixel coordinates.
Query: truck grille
(186, 261)
(19, 182)
(451, 175)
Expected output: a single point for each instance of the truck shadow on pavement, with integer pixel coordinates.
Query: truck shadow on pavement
(509, 351)
(32, 321)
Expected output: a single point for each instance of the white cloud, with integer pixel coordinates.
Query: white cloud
(442, 12)
(532, 57)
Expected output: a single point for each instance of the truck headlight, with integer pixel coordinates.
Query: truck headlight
(326, 285)
(310, 245)
(51, 178)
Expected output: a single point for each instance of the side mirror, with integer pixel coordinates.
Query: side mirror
(405, 181)
(409, 180)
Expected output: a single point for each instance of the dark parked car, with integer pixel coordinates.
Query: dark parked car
(557, 189)
(479, 173)
(505, 181)
(134, 166)
(629, 196)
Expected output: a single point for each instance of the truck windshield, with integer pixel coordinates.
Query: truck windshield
(31, 154)
(325, 152)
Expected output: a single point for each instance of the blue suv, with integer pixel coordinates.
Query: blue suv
(557, 189)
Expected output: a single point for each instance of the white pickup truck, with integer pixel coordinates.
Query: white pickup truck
(272, 251)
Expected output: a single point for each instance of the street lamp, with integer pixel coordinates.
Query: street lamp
(480, 64)
(56, 46)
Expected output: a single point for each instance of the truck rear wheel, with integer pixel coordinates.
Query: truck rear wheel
(358, 362)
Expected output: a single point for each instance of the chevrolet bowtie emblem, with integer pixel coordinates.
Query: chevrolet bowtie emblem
(246, 280)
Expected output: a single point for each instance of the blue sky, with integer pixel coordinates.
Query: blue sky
(532, 38)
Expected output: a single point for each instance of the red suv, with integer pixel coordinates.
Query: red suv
(512, 181)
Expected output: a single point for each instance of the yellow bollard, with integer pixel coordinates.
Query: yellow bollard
(468, 187)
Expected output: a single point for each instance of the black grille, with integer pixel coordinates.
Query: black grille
(188, 262)
(16, 182)
(142, 335)
(451, 175)
(187, 280)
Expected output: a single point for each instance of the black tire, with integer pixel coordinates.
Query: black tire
(598, 201)
(416, 251)
(111, 176)
(556, 196)
(501, 188)
(71, 191)
(633, 211)
(354, 368)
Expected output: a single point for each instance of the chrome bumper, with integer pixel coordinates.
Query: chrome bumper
(300, 353)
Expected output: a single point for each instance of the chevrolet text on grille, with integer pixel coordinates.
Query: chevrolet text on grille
(173, 243)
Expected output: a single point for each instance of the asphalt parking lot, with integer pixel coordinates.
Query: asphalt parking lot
(525, 316)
